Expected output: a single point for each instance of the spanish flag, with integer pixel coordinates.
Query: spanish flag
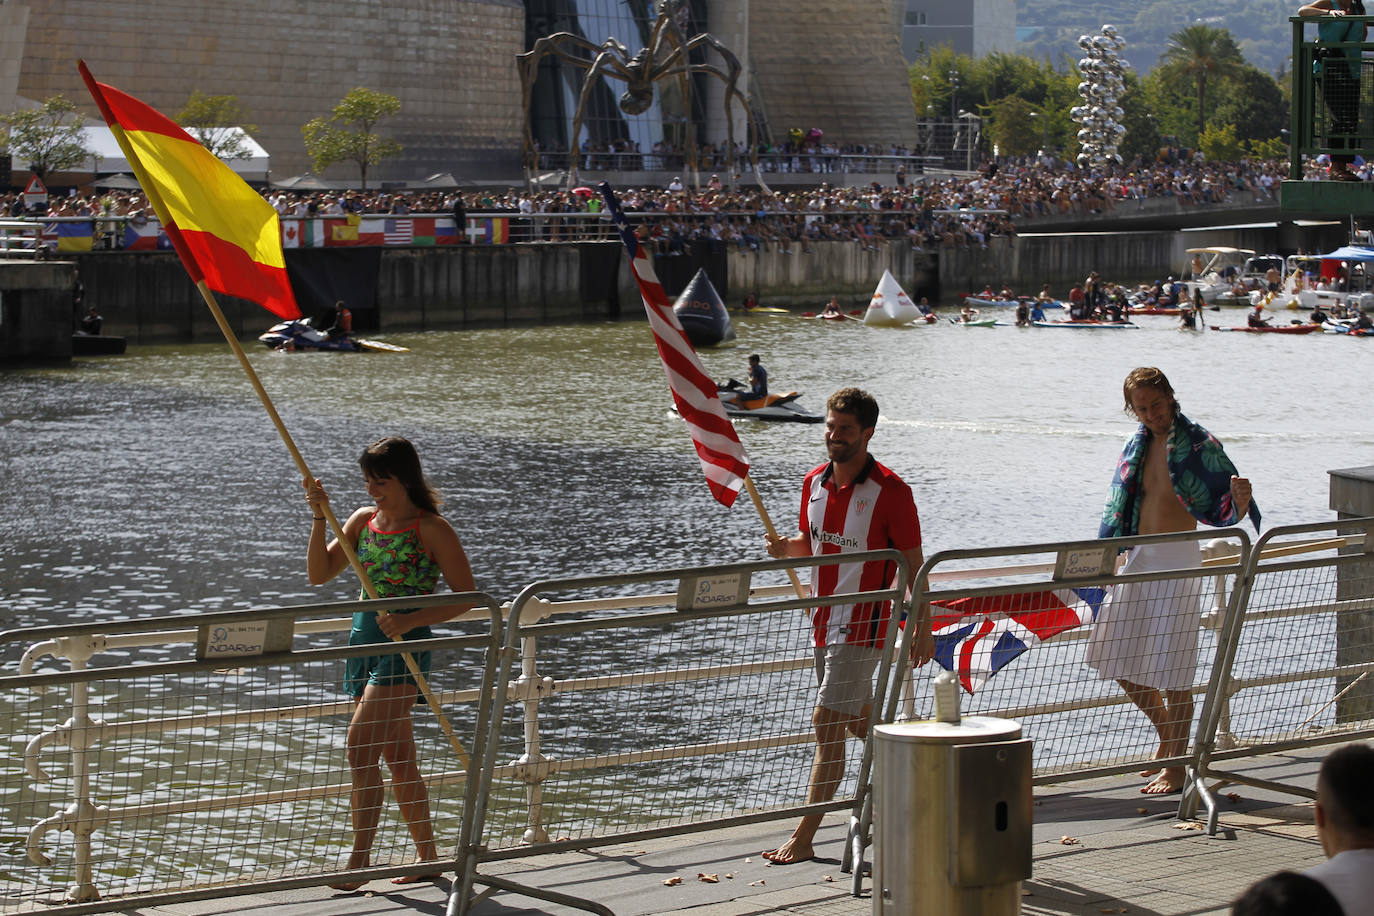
(226, 233)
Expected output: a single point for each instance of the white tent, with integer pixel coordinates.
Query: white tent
(108, 158)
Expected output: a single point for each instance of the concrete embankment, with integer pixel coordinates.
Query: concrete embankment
(148, 298)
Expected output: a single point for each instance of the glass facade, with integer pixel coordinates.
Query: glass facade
(606, 127)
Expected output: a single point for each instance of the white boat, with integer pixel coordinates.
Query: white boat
(1214, 271)
(890, 305)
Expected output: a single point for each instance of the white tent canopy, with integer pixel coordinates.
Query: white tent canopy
(109, 158)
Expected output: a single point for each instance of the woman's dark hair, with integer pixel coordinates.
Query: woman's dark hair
(396, 457)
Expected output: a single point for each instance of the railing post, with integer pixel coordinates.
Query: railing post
(1352, 496)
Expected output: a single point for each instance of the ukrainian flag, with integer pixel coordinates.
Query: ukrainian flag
(76, 235)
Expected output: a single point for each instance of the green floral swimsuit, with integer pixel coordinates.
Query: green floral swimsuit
(398, 564)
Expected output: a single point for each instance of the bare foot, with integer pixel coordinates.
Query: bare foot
(1159, 755)
(790, 853)
(416, 879)
(355, 860)
(1169, 781)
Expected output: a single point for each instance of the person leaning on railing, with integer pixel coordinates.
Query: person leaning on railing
(1338, 72)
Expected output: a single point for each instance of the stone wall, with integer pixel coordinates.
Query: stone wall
(148, 298)
(832, 64)
(450, 62)
(36, 312)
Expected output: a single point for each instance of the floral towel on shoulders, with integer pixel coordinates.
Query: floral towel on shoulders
(1201, 475)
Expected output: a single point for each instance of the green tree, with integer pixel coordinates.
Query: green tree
(1253, 101)
(49, 138)
(1219, 143)
(348, 134)
(1014, 128)
(211, 119)
(1142, 138)
(1201, 53)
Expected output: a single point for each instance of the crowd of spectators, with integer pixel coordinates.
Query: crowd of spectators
(930, 211)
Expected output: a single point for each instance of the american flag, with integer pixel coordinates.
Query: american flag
(979, 636)
(399, 232)
(723, 458)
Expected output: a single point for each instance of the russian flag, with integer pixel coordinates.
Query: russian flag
(980, 636)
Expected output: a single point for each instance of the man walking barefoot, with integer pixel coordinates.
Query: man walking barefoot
(849, 504)
(1171, 475)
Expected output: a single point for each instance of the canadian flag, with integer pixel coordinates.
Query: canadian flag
(290, 233)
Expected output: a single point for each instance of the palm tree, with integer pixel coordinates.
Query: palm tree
(1200, 51)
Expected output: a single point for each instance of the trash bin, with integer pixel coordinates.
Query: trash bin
(951, 817)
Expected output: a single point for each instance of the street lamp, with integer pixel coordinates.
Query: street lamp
(969, 119)
(1044, 131)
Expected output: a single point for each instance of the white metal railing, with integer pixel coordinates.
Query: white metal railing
(546, 681)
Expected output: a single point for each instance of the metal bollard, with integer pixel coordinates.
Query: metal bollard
(951, 817)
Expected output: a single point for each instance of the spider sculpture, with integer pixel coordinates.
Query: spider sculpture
(667, 57)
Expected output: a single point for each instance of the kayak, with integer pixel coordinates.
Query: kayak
(977, 323)
(773, 407)
(834, 316)
(1277, 329)
(1087, 325)
(302, 335)
(1155, 310)
(761, 310)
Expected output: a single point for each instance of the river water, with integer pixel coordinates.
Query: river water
(154, 483)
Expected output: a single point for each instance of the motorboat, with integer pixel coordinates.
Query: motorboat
(890, 306)
(301, 334)
(97, 344)
(702, 314)
(1215, 271)
(782, 407)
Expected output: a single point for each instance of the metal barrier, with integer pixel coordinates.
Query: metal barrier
(195, 777)
(205, 762)
(1015, 636)
(1294, 670)
(19, 238)
(705, 698)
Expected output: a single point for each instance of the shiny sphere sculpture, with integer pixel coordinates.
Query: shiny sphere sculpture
(1103, 83)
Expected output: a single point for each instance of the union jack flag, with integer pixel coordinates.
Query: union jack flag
(979, 636)
(723, 458)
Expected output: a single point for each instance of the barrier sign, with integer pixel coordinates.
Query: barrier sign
(35, 193)
(235, 640)
(712, 591)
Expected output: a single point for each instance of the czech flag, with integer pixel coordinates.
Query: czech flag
(225, 232)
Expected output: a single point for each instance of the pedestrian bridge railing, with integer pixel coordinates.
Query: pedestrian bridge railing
(631, 706)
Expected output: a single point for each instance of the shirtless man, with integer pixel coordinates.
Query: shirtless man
(1145, 638)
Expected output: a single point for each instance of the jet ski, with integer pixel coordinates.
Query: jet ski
(773, 407)
(301, 334)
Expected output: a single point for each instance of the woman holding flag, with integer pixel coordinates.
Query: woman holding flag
(405, 546)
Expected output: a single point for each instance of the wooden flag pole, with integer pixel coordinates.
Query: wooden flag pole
(768, 527)
(334, 525)
(152, 189)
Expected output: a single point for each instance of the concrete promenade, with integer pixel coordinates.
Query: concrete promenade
(1099, 847)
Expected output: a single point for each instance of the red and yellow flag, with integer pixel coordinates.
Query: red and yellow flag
(226, 233)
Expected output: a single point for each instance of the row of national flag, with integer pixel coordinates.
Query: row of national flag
(315, 232)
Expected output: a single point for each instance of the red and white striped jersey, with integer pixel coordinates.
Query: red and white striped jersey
(874, 512)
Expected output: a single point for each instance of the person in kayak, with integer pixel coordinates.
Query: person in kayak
(405, 546)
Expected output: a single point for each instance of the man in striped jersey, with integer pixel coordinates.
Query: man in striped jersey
(849, 504)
